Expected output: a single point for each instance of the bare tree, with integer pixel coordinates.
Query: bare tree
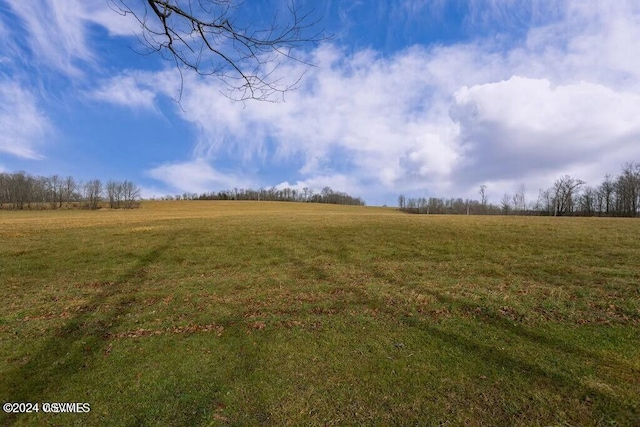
(114, 194)
(131, 194)
(54, 188)
(605, 193)
(401, 201)
(4, 189)
(21, 190)
(564, 190)
(627, 189)
(92, 193)
(208, 37)
(70, 187)
(505, 203)
(483, 197)
(587, 201)
(522, 200)
(423, 205)
(519, 200)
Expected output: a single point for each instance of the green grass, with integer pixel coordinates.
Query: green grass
(244, 313)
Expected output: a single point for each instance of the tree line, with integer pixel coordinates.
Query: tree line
(308, 195)
(568, 196)
(21, 190)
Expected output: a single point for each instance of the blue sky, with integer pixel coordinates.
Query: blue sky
(421, 97)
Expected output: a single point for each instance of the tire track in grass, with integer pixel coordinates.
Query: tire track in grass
(84, 336)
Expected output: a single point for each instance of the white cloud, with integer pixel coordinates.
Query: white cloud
(196, 175)
(7, 44)
(56, 32)
(152, 192)
(441, 120)
(534, 114)
(521, 129)
(111, 15)
(23, 125)
(337, 182)
(353, 114)
(128, 90)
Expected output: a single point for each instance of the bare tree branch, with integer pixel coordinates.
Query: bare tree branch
(205, 37)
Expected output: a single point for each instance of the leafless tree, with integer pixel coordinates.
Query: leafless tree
(92, 193)
(564, 191)
(126, 194)
(401, 201)
(21, 190)
(519, 200)
(70, 188)
(505, 203)
(587, 201)
(114, 194)
(4, 189)
(52, 183)
(131, 194)
(423, 205)
(483, 196)
(627, 189)
(522, 200)
(619, 196)
(209, 38)
(40, 192)
(605, 194)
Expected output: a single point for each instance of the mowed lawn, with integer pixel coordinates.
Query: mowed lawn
(259, 313)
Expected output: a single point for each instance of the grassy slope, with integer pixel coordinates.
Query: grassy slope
(214, 313)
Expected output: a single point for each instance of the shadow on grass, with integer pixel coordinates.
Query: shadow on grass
(561, 381)
(514, 327)
(69, 352)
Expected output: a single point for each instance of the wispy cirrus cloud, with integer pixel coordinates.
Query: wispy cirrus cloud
(24, 126)
(115, 16)
(127, 90)
(41, 40)
(56, 33)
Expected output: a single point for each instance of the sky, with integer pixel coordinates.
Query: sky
(428, 98)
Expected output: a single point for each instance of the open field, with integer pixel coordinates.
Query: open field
(244, 313)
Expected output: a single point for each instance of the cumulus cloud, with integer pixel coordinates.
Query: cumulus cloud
(524, 124)
(23, 125)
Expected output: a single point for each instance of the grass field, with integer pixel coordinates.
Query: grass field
(245, 313)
